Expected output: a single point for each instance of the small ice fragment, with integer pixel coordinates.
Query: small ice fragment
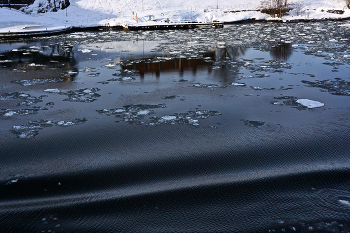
(86, 50)
(238, 84)
(344, 202)
(126, 78)
(87, 91)
(60, 123)
(59, 183)
(168, 118)
(143, 112)
(55, 90)
(110, 65)
(14, 181)
(310, 103)
(119, 110)
(10, 113)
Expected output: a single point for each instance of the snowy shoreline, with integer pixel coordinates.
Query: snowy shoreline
(83, 15)
(61, 30)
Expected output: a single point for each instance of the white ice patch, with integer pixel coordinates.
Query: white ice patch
(310, 103)
(10, 113)
(143, 112)
(344, 202)
(238, 84)
(118, 110)
(60, 123)
(52, 90)
(110, 65)
(168, 118)
(86, 50)
(87, 91)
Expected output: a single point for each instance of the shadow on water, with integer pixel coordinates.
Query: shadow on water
(281, 51)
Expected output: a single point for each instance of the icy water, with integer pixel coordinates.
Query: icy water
(239, 129)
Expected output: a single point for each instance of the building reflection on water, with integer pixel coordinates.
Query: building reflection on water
(207, 61)
(55, 57)
(281, 51)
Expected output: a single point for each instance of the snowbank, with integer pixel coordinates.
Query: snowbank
(87, 13)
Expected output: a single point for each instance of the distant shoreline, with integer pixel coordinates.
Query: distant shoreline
(10, 36)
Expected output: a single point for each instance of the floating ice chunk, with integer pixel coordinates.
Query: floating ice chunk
(87, 91)
(143, 112)
(86, 50)
(10, 113)
(238, 84)
(14, 181)
(168, 118)
(55, 90)
(23, 95)
(344, 202)
(310, 103)
(126, 78)
(110, 65)
(119, 110)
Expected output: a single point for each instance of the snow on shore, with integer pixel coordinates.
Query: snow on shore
(85, 13)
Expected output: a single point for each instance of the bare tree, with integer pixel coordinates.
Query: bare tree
(347, 2)
(298, 7)
(275, 7)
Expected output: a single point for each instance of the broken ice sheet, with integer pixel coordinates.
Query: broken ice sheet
(86, 95)
(31, 82)
(110, 65)
(300, 104)
(30, 130)
(135, 114)
(11, 112)
(85, 50)
(335, 87)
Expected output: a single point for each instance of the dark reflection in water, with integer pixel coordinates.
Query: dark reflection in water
(209, 60)
(175, 64)
(41, 57)
(221, 54)
(281, 51)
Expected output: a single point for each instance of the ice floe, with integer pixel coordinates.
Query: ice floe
(310, 103)
(344, 202)
(55, 90)
(295, 102)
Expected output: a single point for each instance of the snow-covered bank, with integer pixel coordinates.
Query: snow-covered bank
(89, 13)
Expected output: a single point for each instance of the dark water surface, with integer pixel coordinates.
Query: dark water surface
(203, 130)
